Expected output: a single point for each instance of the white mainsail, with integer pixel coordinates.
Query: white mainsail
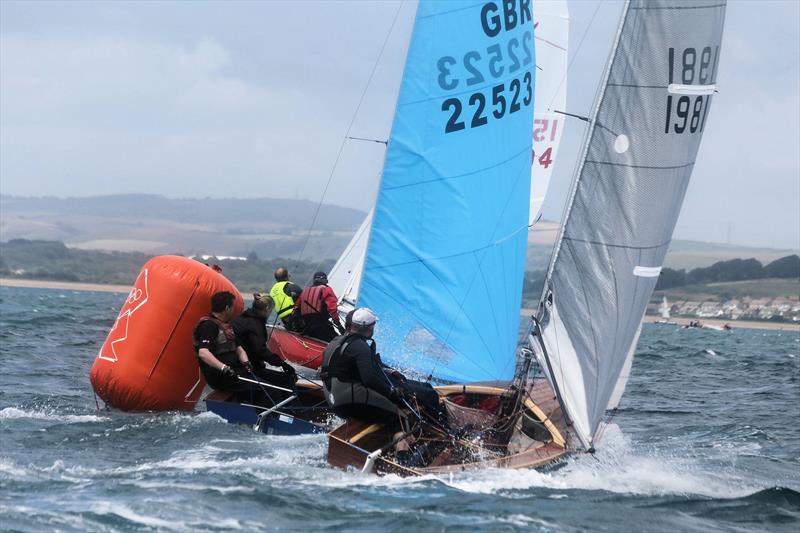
(638, 156)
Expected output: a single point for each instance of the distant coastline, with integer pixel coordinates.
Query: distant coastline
(99, 287)
(735, 324)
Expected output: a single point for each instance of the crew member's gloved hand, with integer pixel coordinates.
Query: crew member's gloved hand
(248, 366)
(228, 371)
(289, 371)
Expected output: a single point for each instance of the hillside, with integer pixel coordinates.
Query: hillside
(158, 225)
(270, 227)
(759, 288)
(694, 254)
(51, 260)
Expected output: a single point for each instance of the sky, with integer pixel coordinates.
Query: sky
(254, 99)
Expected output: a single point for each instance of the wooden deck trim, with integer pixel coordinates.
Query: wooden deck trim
(558, 438)
(480, 389)
(364, 432)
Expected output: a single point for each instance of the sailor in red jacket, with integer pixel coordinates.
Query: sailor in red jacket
(317, 309)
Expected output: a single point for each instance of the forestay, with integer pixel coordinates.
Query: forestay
(445, 256)
(638, 157)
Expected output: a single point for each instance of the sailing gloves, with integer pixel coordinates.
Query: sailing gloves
(228, 371)
(248, 366)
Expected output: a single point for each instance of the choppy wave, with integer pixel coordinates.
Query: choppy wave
(11, 413)
(705, 439)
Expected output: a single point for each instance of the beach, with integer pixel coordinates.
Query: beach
(62, 285)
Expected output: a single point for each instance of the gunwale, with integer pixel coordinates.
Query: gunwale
(350, 444)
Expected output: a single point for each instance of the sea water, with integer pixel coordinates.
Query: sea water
(707, 438)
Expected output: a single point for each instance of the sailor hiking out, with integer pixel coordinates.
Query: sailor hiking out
(219, 354)
(251, 332)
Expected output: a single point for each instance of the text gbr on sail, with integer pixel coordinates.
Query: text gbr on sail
(514, 14)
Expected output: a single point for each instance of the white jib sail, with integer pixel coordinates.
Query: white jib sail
(345, 276)
(551, 33)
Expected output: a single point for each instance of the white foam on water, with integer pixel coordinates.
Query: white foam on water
(521, 520)
(13, 471)
(129, 514)
(189, 486)
(11, 413)
(617, 468)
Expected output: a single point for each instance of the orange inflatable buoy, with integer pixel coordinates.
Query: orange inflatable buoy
(147, 362)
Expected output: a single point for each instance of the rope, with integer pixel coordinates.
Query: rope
(575, 55)
(347, 135)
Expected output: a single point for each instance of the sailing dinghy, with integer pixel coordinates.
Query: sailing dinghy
(303, 411)
(446, 247)
(663, 309)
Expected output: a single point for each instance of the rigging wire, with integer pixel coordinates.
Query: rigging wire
(575, 55)
(347, 133)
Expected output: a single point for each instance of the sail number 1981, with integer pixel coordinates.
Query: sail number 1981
(687, 113)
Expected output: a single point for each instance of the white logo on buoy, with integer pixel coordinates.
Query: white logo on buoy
(120, 329)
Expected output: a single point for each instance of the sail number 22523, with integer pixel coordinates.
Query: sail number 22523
(501, 73)
(503, 101)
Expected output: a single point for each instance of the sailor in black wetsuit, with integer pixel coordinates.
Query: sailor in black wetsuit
(358, 385)
(220, 357)
(251, 332)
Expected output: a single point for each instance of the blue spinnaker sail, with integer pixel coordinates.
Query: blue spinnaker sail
(446, 254)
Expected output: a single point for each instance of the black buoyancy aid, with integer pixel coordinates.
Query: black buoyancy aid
(311, 302)
(336, 364)
(225, 341)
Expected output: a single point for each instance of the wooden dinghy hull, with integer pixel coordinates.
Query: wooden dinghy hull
(295, 348)
(308, 414)
(356, 444)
